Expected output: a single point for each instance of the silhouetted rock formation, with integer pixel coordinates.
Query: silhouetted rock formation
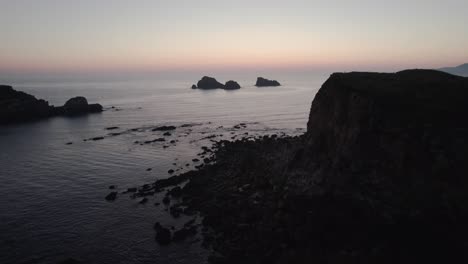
(194, 86)
(461, 70)
(16, 106)
(262, 82)
(209, 83)
(379, 177)
(79, 105)
(231, 85)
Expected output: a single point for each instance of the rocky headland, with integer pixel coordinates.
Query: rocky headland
(262, 82)
(17, 106)
(379, 177)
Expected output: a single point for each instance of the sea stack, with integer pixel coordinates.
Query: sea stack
(231, 85)
(262, 82)
(79, 105)
(209, 83)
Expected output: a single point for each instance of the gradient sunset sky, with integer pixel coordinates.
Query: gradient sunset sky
(89, 35)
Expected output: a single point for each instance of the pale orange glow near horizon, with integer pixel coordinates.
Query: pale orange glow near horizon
(89, 36)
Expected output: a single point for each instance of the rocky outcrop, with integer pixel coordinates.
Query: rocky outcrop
(209, 83)
(212, 83)
(379, 177)
(16, 106)
(78, 106)
(262, 82)
(231, 85)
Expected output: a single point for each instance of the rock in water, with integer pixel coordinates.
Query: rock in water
(194, 86)
(262, 82)
(231, 85)
(76, 105)
(111, 196)
(79, 105)
(164, 128)
(209, 83)
(18, 106)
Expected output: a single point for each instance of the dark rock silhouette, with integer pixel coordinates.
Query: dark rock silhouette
(194, 86)
(16, 106)
(262, 82)
(209, 83)
(164, 128)
(379, 177)
(79, 105)
(231, 85)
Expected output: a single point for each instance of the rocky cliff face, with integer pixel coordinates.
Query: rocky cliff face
(403, 132)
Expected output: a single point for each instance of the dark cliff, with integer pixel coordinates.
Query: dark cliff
(379, 177)
(18, 106)
(405, 130)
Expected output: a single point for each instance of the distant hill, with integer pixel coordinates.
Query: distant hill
(461, 70)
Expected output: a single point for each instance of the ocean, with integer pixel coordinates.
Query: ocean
(53, 205)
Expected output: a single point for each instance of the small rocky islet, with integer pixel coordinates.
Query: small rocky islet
(17, 106)
(379, 177)
(211, 83)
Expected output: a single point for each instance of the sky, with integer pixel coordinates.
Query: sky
(151, 35)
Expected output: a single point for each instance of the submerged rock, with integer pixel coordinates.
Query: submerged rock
(111, 196)
(262, 82)
(164, 128)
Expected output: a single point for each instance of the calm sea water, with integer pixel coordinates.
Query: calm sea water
(53, 205)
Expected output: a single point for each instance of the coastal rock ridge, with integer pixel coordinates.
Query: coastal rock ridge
(17, 106)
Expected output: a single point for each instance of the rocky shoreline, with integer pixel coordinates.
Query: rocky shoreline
(379, 177)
